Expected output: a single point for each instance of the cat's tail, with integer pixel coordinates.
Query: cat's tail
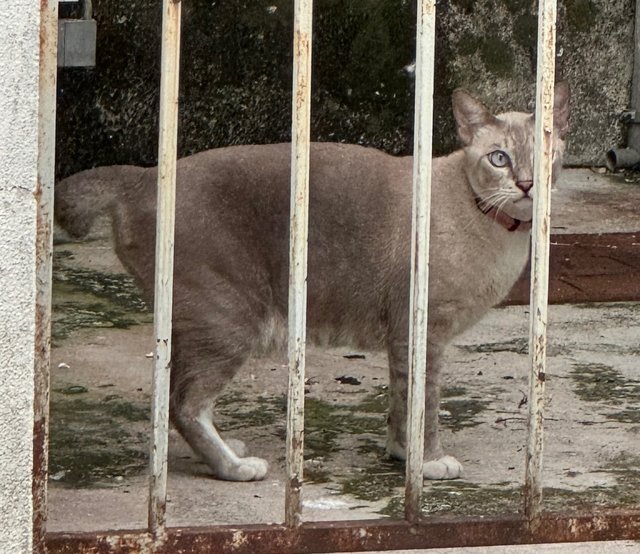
(82, 197)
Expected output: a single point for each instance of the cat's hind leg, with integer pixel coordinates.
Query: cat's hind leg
(227, 460)
(208, 350)
(192, 413)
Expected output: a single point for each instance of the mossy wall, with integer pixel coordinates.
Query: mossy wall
(236, 74)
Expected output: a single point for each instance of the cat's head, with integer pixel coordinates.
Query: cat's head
(499, 151)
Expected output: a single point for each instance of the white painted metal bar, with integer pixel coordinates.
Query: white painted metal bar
(540, 259)
(423, 127)
(167, 152)
(300, 133)
(44, 255)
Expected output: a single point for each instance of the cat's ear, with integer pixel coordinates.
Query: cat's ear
(470, 114)
(561, 98)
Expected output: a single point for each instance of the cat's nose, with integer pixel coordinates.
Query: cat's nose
(524, 186)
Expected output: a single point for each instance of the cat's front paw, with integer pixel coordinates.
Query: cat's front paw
(244, 469)
(446, 467)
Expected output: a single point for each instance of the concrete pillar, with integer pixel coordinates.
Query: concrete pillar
(19, 104)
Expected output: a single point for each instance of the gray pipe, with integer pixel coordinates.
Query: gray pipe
(626, 158)
(622, 158)
(633, 138)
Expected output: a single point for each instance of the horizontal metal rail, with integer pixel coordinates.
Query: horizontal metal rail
(359, 536)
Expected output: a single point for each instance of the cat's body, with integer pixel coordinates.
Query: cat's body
(231, 259)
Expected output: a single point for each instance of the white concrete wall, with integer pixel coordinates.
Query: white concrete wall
(19, 57)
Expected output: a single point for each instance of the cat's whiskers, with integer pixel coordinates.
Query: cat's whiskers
(488, 201)
(494, 200)
(501, 205)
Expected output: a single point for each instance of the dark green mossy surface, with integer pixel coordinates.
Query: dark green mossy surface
(83, 298)
(96, 440)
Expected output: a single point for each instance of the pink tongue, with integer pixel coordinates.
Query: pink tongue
(508, 222)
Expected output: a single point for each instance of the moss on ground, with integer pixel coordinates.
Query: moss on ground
(84, 298)
(594, 382)
(95, 441)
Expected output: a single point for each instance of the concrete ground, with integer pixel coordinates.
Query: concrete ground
(101, 384)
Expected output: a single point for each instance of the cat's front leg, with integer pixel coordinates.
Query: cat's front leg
(436, 465)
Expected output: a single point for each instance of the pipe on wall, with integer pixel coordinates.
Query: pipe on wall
(633, 139)
(628, 158)
(622, 158)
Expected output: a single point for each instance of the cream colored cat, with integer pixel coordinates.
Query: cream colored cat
(231, 260)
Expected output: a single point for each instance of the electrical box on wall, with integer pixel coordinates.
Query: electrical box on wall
(77, 39)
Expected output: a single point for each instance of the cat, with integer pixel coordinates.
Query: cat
(231, 257)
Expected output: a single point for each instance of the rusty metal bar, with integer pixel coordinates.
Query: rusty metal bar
(365, 535)
(169, 80)
(300, 133)
(425, 59)
(44, 254)
(543, 161)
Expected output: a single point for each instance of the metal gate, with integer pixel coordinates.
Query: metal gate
(415, 531)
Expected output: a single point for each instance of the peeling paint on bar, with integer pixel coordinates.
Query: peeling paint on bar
(540, 254)
(167, 152)
(425, 61)
(360, 536)
(300, 134)
(44, 255)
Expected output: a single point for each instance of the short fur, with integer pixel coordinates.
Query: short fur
(231, 257)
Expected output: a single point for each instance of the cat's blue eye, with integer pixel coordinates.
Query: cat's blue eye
(498, 158)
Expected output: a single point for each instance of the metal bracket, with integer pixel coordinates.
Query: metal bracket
(77, 40)
(629, 116)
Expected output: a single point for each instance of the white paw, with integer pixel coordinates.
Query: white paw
(395, 449)
(446, 467)
(239, 448)
(246, 469)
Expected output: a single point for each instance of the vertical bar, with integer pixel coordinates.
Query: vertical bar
(167, 151)
(302, 26)
(425, 59)
(44, 254)
(540, 261)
